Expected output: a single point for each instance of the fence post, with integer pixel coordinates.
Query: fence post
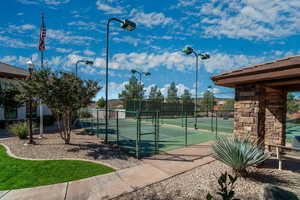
(212, 121)
(97, 122)
(216, 124)
(157, 132)
(186, 129)
(118, 127)
(137, 135)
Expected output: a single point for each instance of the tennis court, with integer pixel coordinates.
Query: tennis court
(292, 129)
(145, 135)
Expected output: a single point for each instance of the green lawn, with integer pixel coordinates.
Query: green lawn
(17, 173)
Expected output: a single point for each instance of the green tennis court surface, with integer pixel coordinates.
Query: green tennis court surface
(205, 123)
(170, 136)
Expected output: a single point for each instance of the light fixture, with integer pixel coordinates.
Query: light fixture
(128, 25)
(188, 50)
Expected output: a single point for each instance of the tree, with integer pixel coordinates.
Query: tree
(186, 96)
(172, 93)
(292, 104)
(26, 96)
(8, 96)
(159, 96)
(153, 92)
(133, 90)
(63, 93)
(101, 103)
(228, 106)
(208, 101)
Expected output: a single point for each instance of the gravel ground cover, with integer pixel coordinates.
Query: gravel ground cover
(83, 146)
(195, 184)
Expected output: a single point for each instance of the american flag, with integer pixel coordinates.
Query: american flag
(42, 35)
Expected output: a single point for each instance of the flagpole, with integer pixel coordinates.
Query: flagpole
(42, 67)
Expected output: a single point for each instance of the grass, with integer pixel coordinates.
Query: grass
(17, 173)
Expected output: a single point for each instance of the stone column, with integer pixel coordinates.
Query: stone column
(275, 122)
(249, 119)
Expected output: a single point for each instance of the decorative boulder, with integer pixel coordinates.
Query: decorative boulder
(272, 192)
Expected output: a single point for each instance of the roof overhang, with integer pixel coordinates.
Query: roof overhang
(9, 71)
(279, 73)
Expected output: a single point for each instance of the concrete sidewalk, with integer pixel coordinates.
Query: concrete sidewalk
(153, 169)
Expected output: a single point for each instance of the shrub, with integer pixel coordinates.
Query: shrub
(19, 129)
(238, 153)
(226, 188)
(85, 114)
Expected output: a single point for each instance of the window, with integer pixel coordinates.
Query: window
(10, 112)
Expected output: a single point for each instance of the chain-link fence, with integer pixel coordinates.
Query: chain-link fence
(146, 133)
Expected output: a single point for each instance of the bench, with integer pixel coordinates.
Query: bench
(280, 152)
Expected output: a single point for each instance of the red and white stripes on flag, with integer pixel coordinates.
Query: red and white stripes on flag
(42, 35)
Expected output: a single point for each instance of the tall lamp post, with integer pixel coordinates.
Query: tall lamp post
(30, 69)
(133, 71)
(87, 62)
(127, 25)
(189, 50)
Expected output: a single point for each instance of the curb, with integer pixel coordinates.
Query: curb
(24, 158)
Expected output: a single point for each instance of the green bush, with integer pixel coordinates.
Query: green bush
(226, 187)
(19, 129)
(85, 114)
(238, 153)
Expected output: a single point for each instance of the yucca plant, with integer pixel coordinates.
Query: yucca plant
(238, 153)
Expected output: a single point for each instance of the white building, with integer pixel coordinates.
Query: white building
(8, 75)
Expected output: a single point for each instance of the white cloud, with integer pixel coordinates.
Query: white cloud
(108, 9)
(88, 52)
(250, 19)
(8, 59)
(28, 2)
(64, 37)
(19, 60)
(82, 25)
(114, 90)
(63, 50)
(56, 2)
(150, 19)
(47, 2)
(19, 28)
(128, 39)
(220, 62)
(14, 43)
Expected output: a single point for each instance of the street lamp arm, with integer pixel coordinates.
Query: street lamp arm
(114, 19)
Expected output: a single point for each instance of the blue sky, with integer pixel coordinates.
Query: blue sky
(235, 33)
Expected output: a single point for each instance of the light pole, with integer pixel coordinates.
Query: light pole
(209, 88)
(87, 62)
(189, 50)
(133, 71)
(30, 69)
(127, 25)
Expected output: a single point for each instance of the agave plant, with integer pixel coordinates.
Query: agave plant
(238, 153)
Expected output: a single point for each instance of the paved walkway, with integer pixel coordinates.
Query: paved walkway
(153, 169)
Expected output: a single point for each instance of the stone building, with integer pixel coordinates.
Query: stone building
(261, 98)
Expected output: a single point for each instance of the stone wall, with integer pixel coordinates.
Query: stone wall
(249, 112)
(275, 120)
(260, 113)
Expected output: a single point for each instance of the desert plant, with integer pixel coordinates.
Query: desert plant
(19, 129)
(226, 187)
(238, 153)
